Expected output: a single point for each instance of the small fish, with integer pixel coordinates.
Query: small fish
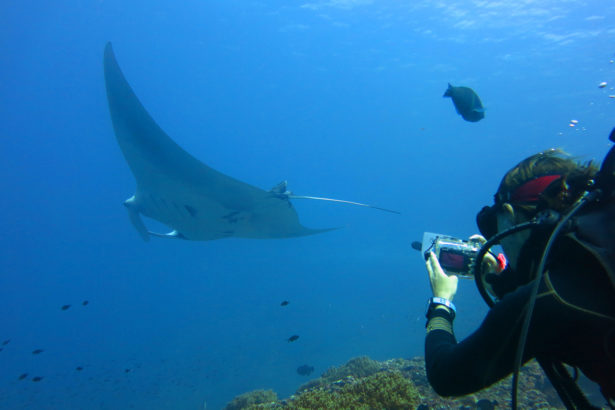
(127, 370)
(416, 245)
(85, 303)
(305, 370)
(65, 307)
(78, 368)
(466, 102)
(22, 376)
(293, 338)
(602, 84)
(284, 303)
(6, 342)
(1, 349)
(37, 378)
(37, 351)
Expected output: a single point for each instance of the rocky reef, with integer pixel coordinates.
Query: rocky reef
(252, 400)
(363, 383)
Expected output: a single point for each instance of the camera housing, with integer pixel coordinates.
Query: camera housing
(456, 256)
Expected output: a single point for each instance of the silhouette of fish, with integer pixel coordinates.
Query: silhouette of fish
(65, 307)
(85, 303)
(78, 368)
(305, 370)
(37, 378)
(6, 342)
(293, 338)
(22, 376)
(284, 303)
(37, 351)
(467, 103)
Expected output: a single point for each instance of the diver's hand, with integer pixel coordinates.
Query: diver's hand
(490, 265)
(442, 285)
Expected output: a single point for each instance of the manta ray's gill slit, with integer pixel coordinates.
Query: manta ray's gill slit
(190, 210)
(233, 217)
(156, 202)
(162, 206)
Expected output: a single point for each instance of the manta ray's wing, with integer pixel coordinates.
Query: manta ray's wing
(195, 201)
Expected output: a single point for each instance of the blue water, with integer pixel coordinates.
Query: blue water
(342, 98)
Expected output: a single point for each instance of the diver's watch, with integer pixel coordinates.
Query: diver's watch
(435, 301)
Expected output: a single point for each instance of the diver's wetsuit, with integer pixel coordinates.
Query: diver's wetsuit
(557, 328)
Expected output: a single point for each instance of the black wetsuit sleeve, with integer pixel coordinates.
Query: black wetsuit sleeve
(503, 283)
(487, 355)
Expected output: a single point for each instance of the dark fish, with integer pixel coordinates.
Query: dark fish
(284, 303)
(37, 351)
(37, 378)
(22, 376)
(65, 307)
(466, 103)
(417, 245)
(6, 342)
(305, 370)
(1, 349)
(78, 368)
(127, 370)
(293, 338)
(85, 303)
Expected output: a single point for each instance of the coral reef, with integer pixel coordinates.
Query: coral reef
(386, 389)
(358, 367)
(363, 383)
(252, 400)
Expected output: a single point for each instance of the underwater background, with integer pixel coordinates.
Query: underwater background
(342, 98)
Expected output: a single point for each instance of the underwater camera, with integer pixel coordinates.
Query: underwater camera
(455, 255)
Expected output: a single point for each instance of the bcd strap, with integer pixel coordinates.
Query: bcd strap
(595, 231)
(568, 390)
(605, 179)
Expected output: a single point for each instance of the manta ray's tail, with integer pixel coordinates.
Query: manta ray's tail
(292, 196)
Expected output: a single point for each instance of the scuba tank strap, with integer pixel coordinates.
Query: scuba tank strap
(568, 390)
(595, 231)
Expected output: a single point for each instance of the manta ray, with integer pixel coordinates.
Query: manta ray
(194, 200)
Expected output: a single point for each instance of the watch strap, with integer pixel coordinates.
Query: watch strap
(435, 301)
(443, 301)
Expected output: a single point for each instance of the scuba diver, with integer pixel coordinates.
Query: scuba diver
(555, 299)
